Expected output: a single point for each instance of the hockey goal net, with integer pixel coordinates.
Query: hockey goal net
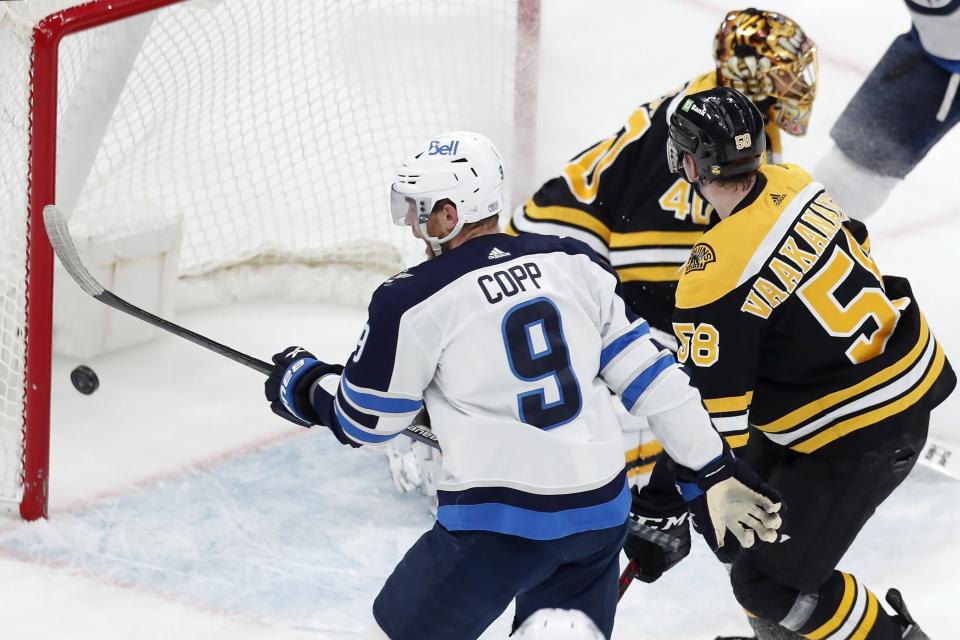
(268, 130)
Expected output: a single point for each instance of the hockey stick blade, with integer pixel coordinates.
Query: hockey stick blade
(58, 232)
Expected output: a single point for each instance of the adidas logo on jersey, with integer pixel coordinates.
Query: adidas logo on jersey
(777, 198)
(496, 253)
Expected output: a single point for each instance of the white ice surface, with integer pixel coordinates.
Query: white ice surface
(180, 507)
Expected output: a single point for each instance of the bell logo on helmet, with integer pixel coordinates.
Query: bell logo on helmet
(437, 149)
(743, 141)
(461, 166)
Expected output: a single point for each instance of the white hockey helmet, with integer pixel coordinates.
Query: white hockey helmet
(462, 166)
(559, 624)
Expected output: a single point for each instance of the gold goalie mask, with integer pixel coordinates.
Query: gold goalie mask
(768, 57)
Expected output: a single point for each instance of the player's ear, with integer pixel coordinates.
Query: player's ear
(450, 217)
(690, 167)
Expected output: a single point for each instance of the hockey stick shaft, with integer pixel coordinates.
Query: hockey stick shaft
(59, 234)
(626, 578)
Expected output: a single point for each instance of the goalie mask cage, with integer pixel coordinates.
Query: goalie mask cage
(271, 130)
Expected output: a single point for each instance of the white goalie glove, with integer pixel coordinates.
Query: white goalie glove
(404, 470)
(414, 466)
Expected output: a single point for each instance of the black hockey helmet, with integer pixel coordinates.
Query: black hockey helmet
(721, 130)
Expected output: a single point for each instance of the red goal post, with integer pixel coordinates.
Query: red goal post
(418, 84)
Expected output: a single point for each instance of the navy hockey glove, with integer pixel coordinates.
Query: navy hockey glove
(288, 386)
(659, 534)
(728, 494)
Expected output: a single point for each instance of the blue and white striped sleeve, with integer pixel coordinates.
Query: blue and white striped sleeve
(651, 383)
(632, 363)
(368, 416)
(381, 389)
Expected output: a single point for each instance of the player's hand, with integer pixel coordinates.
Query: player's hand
(659, 535)
(728, 495)
(288, 386)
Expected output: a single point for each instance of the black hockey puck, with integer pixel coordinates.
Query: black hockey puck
(84, 380)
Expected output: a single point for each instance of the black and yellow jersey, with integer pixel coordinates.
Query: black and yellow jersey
(787, 324)
(620, 198)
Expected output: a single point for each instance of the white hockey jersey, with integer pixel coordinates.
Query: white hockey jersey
(513, 345)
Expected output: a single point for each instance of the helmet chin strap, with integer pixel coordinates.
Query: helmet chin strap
(436, 244)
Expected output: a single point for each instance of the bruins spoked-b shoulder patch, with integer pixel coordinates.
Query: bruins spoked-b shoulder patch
(701, 255)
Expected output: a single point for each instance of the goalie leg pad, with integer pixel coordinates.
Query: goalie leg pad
(892, 121)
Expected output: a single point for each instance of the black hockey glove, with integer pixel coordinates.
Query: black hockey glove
(728, 494)
(288, 386)
(659, 534)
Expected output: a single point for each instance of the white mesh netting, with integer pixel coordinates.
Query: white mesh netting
(273, 129)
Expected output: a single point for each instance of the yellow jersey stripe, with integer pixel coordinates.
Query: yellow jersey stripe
(511, 230)
(841, 429)
(729, 404)
(868, 619)
(644, 451)
(640, 460)
(569, 215)
(846, 603)
(660, 273)
(804, 413)
(637, 239)
(738, 441)
(640, 470)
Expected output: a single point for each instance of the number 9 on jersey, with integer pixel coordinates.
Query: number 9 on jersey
(536, 350)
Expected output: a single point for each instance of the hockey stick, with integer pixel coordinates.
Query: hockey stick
(648, 533)
(59, 234)
(626, 578)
